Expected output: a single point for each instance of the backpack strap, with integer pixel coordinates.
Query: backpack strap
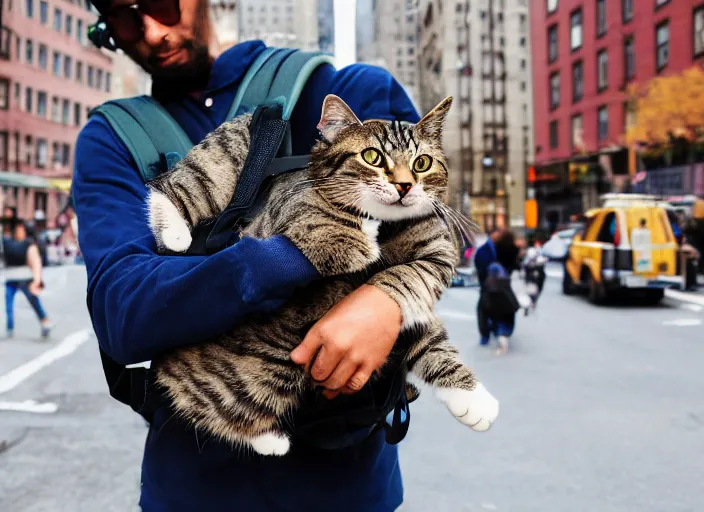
(154, 138)
(271, 88)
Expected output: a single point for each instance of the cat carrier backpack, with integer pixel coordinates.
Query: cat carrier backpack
(269, 90)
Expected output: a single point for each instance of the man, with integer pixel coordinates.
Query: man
(499, 248)
(142, 303)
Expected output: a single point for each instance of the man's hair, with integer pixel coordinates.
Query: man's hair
(100, 5)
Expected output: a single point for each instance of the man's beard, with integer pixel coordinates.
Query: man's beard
(180, 80)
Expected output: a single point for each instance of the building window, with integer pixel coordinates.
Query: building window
(108, 86)
(77, 114)
(43, 12)
(576, 30)
(629, 116)
(577, 81)
(79, 72)
(30, 8)
(79, 31)
(28, 149)
(603, 120)
(57, 64)
(660, 3)
(662, 39)
(4, 94)
(65, 155)
(18, 94)
(69, 25)
(18, 49)
(554, 90)
(699, 31)
(99, 79)
(552, 6)
(29, 51)
(627, 10)
(42, 153)
(28, 99)
(600, 18)
(90, 76)
(41, 104)
(43, 56)
(58, 17)
(629, 59)
(576, 139)
(553, 47)
(65, 112)
(68, 66)
(56, 153)
(554, 141)
(602, 70)
(55, 109)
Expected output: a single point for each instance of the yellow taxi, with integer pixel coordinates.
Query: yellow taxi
(627, 244)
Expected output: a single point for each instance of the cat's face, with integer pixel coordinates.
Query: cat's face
(388, 170)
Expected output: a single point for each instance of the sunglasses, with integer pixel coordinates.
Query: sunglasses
(125, 22)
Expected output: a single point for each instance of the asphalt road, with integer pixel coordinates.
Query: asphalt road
(601, 410)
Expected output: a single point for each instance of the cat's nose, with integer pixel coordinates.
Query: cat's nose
(403, 188)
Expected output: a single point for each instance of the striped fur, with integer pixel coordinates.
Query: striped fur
(359, 217)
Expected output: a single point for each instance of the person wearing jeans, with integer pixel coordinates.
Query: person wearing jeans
(23, 272)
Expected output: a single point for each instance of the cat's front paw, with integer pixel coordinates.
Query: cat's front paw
(477, 408)
(270, 444)
(170, 229)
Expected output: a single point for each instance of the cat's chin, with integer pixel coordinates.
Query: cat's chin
(395, 211)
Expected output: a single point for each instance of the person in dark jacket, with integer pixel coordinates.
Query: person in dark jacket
(495, 261)
(23, 272)
(142, 303)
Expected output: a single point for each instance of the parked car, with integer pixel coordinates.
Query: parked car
(556, 248)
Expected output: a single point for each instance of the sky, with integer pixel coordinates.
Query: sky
(345, 23)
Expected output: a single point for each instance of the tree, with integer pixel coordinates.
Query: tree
(668, 108)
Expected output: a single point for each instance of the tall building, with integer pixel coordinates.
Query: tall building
(326, 26)
(224, 15)
(387, 36)
(479, 53)
(280, 23)
(586, 54)
(50, 78)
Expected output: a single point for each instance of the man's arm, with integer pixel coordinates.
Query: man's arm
(142, 303)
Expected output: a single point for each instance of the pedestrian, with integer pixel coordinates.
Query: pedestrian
(495, 261)
(23, 272)
(143, 304)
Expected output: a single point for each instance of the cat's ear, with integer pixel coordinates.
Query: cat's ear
(336, 116)
(432, 123)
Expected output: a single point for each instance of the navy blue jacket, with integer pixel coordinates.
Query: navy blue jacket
(142, 303)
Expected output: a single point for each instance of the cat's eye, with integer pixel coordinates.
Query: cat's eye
(422, 163)
(373, 157)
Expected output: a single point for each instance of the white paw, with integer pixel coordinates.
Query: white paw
(477, 409)
(169, 228)
(270, 444)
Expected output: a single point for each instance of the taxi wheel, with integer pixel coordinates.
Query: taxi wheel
(597, 293)
(653, 297)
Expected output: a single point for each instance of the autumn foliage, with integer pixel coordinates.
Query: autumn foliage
(668, 107)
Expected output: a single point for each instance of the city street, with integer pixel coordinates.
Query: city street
(601, 410)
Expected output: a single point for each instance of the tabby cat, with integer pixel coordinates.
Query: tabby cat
(368, 209)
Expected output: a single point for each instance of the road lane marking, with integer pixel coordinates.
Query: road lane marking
(459, 315)
(683, 322)
(685, 297)
(67, 346)
(29, 406)
(692, 307)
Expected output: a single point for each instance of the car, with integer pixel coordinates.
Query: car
(556, 248)
(624, 247)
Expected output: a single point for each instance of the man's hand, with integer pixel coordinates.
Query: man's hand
(351, 341)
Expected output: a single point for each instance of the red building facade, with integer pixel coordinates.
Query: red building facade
(585, 54)
(50, 77)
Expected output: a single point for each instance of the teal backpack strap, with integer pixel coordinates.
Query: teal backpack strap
(277, 76)
(152, 136)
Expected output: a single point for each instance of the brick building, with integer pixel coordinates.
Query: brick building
(585, 54)
(50, 77)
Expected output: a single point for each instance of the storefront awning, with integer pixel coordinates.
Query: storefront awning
(16, 179)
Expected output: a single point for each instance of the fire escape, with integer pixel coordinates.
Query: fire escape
(494, 124)
(464, 94)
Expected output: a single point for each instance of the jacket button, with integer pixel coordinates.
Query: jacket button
(209, 102)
